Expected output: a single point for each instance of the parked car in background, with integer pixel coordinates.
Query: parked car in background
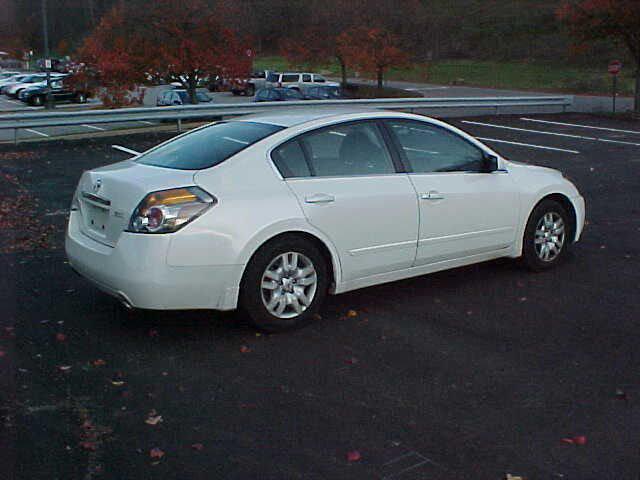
(324, 92)
(12, 89)
(61, 92)
(7, 73)
(329, 201)
(179, 96)
(11, 80)
(297, 81)
(277, 95)
(249, 86)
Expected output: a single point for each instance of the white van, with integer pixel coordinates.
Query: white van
(296, 80)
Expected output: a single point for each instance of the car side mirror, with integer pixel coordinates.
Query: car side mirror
(489, 163)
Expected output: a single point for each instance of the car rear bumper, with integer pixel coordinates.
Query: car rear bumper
(136, 272)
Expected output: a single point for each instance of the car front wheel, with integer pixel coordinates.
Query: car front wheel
(284, 285)
(547, 236)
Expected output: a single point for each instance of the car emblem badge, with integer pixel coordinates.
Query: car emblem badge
(97, 185)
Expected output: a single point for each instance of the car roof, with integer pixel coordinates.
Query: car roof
(292, 117)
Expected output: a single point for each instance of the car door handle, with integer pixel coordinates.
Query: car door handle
(319, 198)
(431, 196)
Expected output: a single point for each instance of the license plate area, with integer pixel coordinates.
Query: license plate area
(97, 219)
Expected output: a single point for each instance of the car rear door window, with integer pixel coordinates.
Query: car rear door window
(306, 77)
(290, 160)
(428, 148)
(347, 150)
(291, 78)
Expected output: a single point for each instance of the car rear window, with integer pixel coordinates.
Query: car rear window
(209, 146)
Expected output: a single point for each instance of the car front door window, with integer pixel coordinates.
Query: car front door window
(429, 149)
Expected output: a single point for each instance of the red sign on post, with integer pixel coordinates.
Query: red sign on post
(614, 67)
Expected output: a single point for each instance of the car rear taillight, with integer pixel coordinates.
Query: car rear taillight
(167, 211)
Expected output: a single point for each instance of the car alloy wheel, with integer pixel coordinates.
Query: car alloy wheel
(549, 236)
(289, 285)
(284, 284)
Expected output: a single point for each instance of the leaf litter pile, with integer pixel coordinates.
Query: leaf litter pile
(21, 215)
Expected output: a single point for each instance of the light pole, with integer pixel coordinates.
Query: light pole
(47, 60)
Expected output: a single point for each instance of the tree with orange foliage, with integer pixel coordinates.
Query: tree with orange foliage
(372, 50)
(172, 40)
(619, 20)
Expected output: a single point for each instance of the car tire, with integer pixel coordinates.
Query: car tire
(547, 236)
(271, 280)
(36, 101)
(250, 91)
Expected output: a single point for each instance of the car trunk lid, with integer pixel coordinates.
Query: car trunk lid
(108, 196)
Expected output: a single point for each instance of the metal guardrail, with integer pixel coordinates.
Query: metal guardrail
(203, 111)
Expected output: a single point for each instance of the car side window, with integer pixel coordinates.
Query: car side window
(428, 148)
(290, 160)
(346, 150)
(319, 79)
(290, 93)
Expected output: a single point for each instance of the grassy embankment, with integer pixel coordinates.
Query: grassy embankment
(506, 75)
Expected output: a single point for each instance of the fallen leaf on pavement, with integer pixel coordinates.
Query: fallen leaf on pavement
(514, 477)
(353, 456)
(99, 362)
(153, 333)
(352, 314)
(2, 353)
(61, 337)
(117, 383)
(197, 446)
(153, 418)
(621, 394)
(64, 368)
(351, 361)
(88, 446)
(244, 349)
(578, 440)
(156, 453)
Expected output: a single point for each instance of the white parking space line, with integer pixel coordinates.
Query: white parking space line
(542, 132)
(36, 132)
(529, 145)
(420, 89)
(93, 126)
(145, 122)
(608, 129)
(14, 102)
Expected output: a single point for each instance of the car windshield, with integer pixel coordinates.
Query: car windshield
(208, 146)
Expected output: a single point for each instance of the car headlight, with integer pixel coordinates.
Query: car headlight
(167, 211)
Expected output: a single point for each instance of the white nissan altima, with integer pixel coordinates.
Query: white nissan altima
(270, 213)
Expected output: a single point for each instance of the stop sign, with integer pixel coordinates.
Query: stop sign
(614, 67)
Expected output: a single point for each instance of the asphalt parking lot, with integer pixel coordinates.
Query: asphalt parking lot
(473, 373)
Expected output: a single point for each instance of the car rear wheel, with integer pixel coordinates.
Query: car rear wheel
(250, 91)
(547, 236)
(284, 285)
(37, 100)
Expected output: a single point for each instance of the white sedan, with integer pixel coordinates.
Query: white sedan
(270, 213)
